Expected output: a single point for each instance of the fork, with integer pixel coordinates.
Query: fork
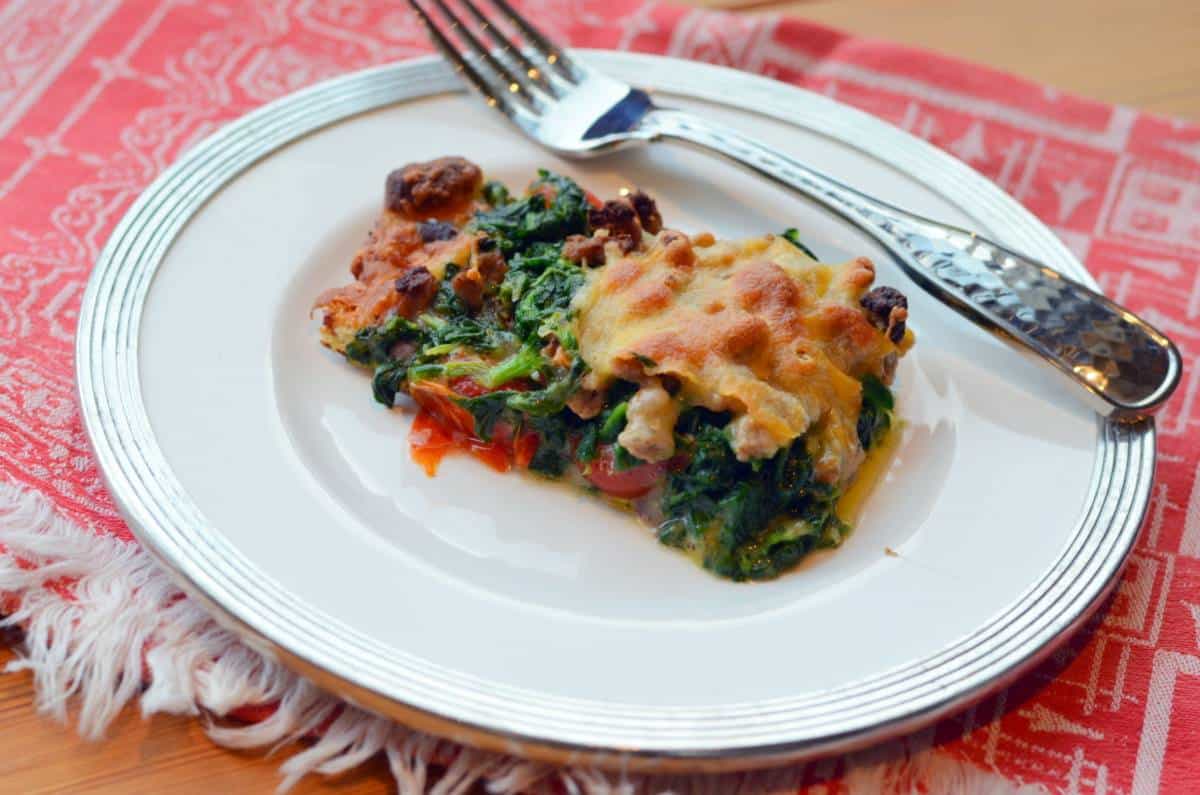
(1126, 368)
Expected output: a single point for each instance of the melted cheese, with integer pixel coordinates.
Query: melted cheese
(752, 327)
(393, 247)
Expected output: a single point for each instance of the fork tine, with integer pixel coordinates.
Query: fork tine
(513, 83)
(510, 48)
(494, 98)
(554, 55)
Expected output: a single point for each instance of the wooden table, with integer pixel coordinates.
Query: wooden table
(1137, 52)
(1141, 53)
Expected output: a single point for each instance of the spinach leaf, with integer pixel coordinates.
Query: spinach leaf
(524, 407)
(522, 364)
(462, 330)
(547, 301)
(518, 224)
(524, 267)
(487, 410)
(749, 520)
(586, 450)
(693, 492)
(552, 398)
(446, 302)
(553, 450)
(875, 415)
(778, 550)
(456, 368)
(613, 422)
(388, 380)
(553, 430)
(372, 345)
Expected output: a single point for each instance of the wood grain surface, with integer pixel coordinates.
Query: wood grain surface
(1137, 52)
(1144, 53)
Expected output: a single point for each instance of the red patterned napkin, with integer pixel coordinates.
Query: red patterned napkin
(98, 96)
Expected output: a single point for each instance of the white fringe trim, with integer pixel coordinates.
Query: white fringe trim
(89, 651)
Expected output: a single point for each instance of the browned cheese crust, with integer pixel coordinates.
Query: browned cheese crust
(396, 272)
(752, 327)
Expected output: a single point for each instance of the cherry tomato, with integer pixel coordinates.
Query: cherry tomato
(626, 483)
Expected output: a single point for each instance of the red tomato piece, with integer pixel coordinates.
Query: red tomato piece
(490, 453)
(467, 386)
(626, 483)
(439, 400)
(524, 449)
(429, 441)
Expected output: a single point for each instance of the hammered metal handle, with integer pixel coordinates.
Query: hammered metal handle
(1125, 367)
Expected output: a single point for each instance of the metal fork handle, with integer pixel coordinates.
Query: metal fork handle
(1125, 366)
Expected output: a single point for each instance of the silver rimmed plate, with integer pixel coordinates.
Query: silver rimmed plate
(517, 616)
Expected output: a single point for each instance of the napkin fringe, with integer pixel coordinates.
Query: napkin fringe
(104, 624)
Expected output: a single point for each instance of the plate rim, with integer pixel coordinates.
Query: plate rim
(507, 719)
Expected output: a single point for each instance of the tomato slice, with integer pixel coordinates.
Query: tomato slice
(429, 441)
(491, 453)
(442, 426)
(440, 401)
(626, 483)
(593, 199)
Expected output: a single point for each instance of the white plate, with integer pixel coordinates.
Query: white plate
(523, 617)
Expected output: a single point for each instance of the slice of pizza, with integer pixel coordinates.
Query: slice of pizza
(728, 392)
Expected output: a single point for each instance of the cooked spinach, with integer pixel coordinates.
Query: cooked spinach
(588, 446)
(388, 380)
(516, 225)
(456, 368)
(694, 492)
(613, 422)
(377, 346)
(517, 407)
(487, 410)
(553, 397)
(373, 345)
(522, 364)
(479, 334)
(554, 447)
(545, 305)
(524, 267)
(447, 303)
(750, 521)
(875, 416)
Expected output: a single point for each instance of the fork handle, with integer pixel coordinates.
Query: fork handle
(1125, 367)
